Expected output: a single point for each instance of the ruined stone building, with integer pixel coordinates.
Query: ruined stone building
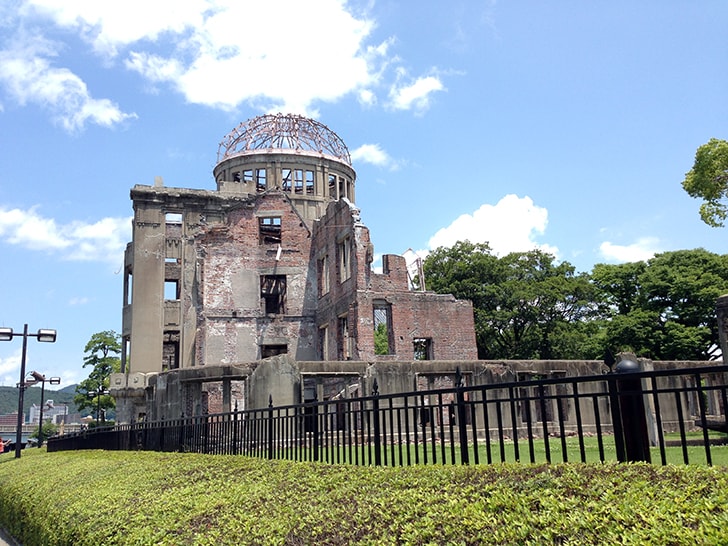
(274, 261)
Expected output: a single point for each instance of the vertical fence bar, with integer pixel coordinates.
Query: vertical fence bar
(703, 420)
(377, 428)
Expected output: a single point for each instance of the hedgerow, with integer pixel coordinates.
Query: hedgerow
(145, 498)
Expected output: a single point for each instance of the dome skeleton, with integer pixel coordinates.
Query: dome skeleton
(283, 132)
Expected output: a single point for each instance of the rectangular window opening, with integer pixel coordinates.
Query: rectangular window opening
(382, 329)
(344, 341)
(273, 292)
(323, 339)
(269, 230)
(298, 181)
(309, 183)
(324, 275)
(332, 186)
(170, 350)
(171, 289)
(173, 218)
(272, 350)
(248, 175)
(423, 348)
(260, 179)
(344, 260)
(286, 179)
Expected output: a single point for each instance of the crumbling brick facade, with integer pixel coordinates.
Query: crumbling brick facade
(275, 261)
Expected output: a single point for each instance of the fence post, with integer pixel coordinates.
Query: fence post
(377, 427)
(270, 426)
(462, 425)
(632, 412)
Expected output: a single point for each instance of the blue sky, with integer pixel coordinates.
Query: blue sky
(561, 125)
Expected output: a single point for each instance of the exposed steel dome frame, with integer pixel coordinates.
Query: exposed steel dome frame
(282, 132)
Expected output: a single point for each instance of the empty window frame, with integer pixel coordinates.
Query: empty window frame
(323, 271)
(309, 183)
(171, 289)
(344, 341)
(273, 293)
(236, 176)
(170, 350)
(260, 179)
(332, 186)
(382, 328)
(286, 180)
(173, 218)
(248, 175)
(298, 181)
(269, 230)
(344, 251)
(323, 343)
(273, 350)
(422, 348)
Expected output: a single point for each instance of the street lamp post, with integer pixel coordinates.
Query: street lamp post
(98, 393)
(40, 378)
(43, 335)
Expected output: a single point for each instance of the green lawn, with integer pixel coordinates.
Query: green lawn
(143, 498)
(444, 453)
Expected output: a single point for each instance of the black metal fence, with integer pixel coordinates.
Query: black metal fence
(666, 416)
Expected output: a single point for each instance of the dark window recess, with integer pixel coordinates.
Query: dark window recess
(270, 230)
(170, 351)
(423, 348)
(273, 291)
(272, 350)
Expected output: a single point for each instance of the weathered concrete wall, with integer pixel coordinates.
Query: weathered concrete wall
(183, 392)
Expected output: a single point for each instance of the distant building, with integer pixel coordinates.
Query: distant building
(10, 419)
(51, 412)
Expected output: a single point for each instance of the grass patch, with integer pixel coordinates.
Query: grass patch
(145, 498)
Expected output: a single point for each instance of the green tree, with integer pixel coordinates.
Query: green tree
(708, 180)
(664, 308)
(49, 429)
(526, 306)
(100, 351)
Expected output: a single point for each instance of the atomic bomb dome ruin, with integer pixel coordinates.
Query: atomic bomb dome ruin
(263, 287)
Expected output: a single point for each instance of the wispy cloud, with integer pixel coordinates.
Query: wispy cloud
(28, 76)
(641, 250)
(103, 240)
(415, 95)
(374, 155)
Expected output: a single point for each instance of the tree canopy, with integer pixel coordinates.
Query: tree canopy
(528, 306)
(708, 180)
(92, 392)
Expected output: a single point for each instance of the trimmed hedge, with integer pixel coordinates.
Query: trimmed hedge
(145, 498)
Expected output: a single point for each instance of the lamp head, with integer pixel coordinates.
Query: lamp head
(46, 335)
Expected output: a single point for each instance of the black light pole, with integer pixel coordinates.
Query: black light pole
(39, 377)
(43, 335)
(100, 390)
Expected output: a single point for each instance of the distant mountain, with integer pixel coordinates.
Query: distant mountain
(9, 398)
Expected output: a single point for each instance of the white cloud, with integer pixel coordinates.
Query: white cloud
(373, 154)
(415, 95)
(641, 250)
(104, 240)
(510, 225)
(29, 77)
(220, 53)
(9, 365)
